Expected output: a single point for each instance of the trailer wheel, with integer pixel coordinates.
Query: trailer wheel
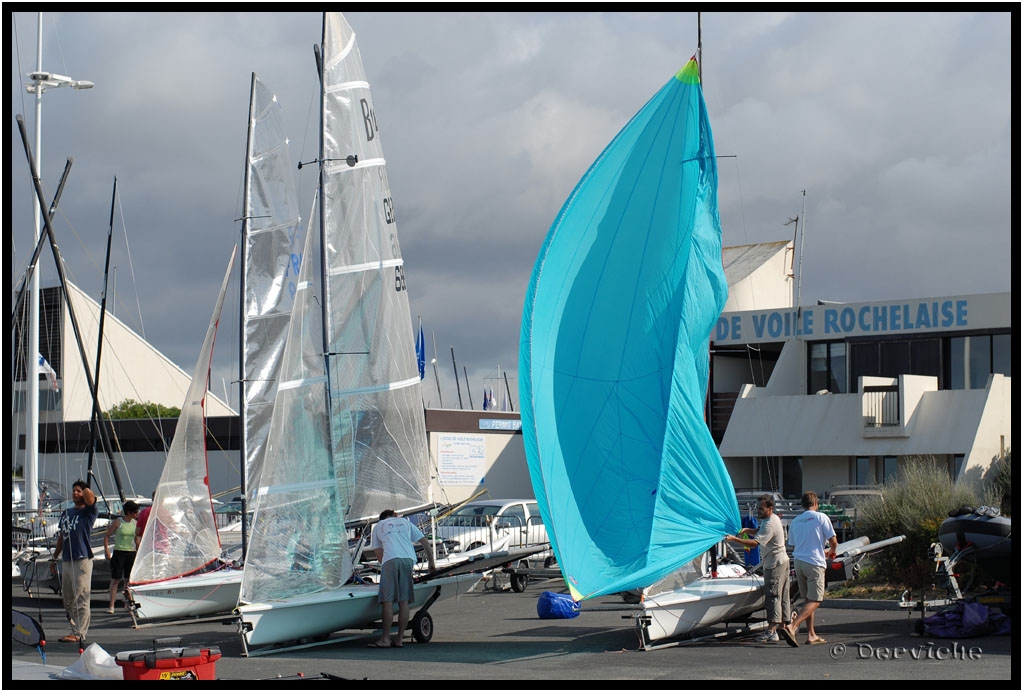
(422, 626)
(518, 582)
(549, 561)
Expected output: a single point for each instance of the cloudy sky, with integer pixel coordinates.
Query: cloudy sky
(898, 126)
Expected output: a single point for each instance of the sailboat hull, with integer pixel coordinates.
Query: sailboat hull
(193, 595)
(320, 614)
(703, 603)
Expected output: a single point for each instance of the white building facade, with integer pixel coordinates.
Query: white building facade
(834, 394)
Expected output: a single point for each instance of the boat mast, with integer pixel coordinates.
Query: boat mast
(324, 295)
(96, 420)
(458, 388)
(246, 199)
(700, 56)
(59, 262)
(19, 299)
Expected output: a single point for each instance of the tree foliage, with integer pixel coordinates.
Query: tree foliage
(130, 409)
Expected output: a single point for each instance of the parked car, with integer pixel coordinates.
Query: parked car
(474, 524)
(853, 497)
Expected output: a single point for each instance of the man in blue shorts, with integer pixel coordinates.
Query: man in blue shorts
(393, 540)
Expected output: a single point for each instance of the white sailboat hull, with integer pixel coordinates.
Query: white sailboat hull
(702, 603)
(193, 595)
(323, 613)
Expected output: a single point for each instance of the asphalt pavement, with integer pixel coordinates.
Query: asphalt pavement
(494, 634)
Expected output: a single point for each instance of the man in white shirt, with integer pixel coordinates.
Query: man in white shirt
(394, 541)
(808, 533)
(771, 537)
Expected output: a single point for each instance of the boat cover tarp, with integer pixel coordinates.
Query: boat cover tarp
(967, 620)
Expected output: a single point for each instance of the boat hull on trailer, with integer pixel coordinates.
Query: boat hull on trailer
(185, 597)
(309, 616)
(989, 536)
(700, 604)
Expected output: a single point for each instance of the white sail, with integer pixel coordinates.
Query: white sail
(269, 274)
(271, 256)
(347, 437)
(181, 536)
(378, 428)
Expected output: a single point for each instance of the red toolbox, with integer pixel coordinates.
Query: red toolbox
(169, 661)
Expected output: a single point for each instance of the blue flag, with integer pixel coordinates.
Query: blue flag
(485, 399)
(421, 353)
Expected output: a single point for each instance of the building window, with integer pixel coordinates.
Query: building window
(1001, 360)
(862, 471)
(894, 359)
(926, 358)
(827, 367)
(970, 361)
(792, 477)
(768, 473)
(956, 466)
(890, 469)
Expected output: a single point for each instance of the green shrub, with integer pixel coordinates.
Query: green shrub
(999, 483)
(914, 506)
(130, 409)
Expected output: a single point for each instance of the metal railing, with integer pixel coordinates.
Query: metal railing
(881, 406)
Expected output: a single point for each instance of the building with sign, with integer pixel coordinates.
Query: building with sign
(834, 394)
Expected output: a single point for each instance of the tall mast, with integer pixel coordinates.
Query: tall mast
(700, 56)
(59, 263)
(324, 293)
(96, 420)
(246, 199)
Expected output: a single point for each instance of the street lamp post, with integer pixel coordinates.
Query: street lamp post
(41, 81)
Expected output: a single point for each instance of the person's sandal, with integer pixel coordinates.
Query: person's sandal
(788, 636)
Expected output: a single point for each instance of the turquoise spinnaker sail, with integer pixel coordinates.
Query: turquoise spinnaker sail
(613, 360)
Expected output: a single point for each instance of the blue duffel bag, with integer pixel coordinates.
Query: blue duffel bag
(557, 605)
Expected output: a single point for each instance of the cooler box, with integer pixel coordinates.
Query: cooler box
(168, 661)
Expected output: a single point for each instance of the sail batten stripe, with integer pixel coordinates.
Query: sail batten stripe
(297, 486)
(302, 382)
(380, 387)
(366, 266)
(341, 166)
(346, 86)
